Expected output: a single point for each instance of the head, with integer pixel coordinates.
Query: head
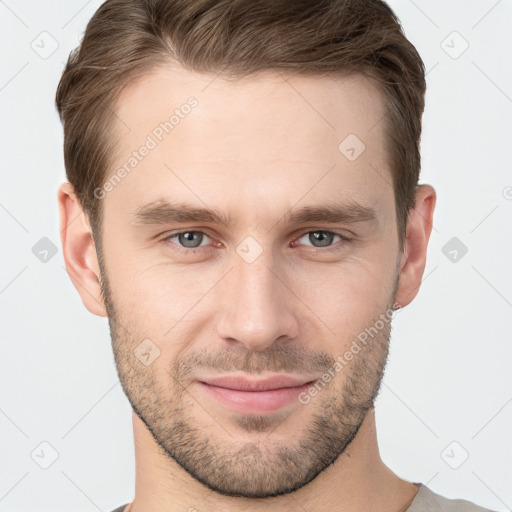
(243, 185)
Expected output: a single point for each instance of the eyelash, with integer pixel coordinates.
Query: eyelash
(167, 240)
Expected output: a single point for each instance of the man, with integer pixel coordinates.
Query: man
(243, 204)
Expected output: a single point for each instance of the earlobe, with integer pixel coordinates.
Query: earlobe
(413, 260)
(79, 250)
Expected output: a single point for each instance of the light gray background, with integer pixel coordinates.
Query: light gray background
(448, 386)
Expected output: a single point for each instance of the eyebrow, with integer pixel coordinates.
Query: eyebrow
(163, 212)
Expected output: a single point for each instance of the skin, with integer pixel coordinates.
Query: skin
(256, 149)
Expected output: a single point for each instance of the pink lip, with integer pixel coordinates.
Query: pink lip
(254, 396)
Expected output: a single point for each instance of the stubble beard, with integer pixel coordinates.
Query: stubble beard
(211, 448)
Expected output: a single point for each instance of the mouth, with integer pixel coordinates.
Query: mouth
(255, 396)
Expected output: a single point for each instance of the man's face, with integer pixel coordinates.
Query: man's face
(264, 294)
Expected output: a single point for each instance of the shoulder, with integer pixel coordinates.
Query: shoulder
(427, 500)
(121, 508)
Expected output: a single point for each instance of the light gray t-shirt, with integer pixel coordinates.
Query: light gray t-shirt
(425, 500)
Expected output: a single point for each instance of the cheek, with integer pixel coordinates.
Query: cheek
(162, 303)
(150, 291)
(348, 296)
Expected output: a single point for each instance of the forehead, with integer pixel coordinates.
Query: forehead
(267, 101)
(262, 134)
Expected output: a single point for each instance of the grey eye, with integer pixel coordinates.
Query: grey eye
(190, 239)
(320, 238)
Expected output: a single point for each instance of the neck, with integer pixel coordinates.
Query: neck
(358, 481)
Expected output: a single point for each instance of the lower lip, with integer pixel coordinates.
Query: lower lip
(254, 402)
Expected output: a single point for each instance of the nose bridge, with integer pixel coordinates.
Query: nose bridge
(257, 307)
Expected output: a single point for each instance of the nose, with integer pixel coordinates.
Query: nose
(257, 308)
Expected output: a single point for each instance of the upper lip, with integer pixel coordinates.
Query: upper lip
(245, 384)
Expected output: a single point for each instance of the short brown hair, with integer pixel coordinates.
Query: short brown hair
(127, 38)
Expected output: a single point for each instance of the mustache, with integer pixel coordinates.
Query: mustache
(278, 358)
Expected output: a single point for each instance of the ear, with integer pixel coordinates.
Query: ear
(79, 250)
(419, 227)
